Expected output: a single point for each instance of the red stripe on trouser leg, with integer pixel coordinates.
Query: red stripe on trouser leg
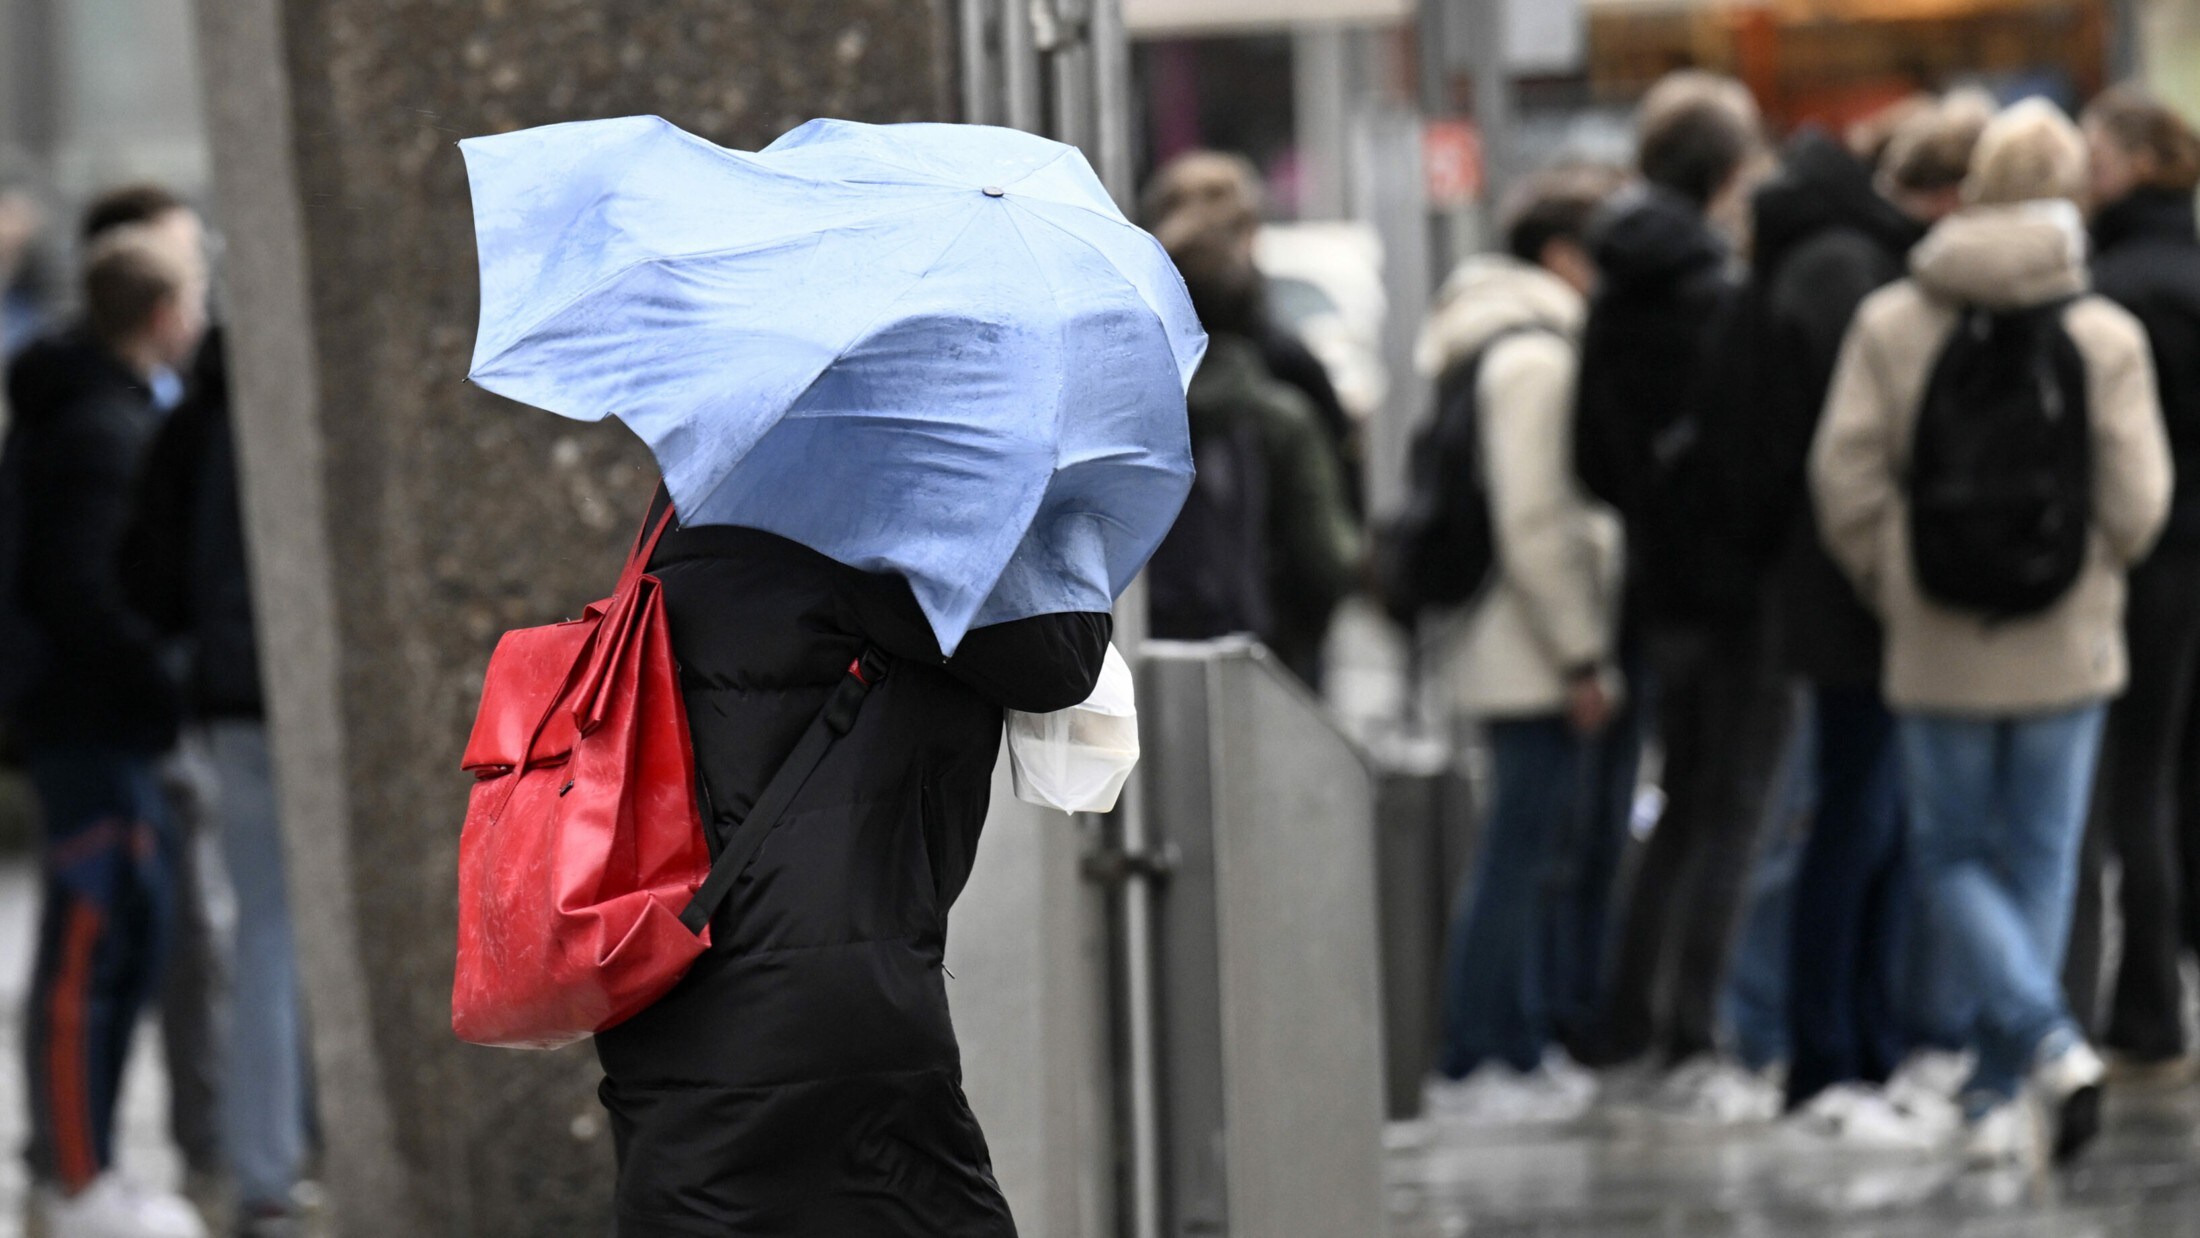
(68, 1051)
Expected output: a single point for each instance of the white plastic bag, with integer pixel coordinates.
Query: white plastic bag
(1078, 759)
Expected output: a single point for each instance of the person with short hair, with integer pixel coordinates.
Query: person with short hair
(2145, 166)
(96, 715)
(1533, 661)
(1666, 276)
(1212, 184)
(1999, 707)
(1267, 542)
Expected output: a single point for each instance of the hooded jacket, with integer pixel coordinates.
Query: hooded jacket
(2147, 259)
(1554, 603)
(803, 1079)
(1940, 660)
(1826, 239)
(1663, 278)
(83, 422)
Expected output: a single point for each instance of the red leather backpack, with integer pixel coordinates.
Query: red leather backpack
(585, 882)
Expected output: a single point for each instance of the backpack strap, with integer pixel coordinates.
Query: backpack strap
(831, 723)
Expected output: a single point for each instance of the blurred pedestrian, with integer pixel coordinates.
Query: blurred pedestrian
(193, 980)
(1991, 462)
(1266, 543)
(1214, 184)
(22, 298)
(185, 565)
(97, 713)
(2145, 168)
(1534, 661)
(1829, 232)
(1666, 277)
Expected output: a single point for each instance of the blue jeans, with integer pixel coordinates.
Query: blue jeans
(1494, 1001)
(108, 849)
(263, 1104)
(1851, 903)
(1997, 813)
(1753, 1004)
(1585, 875)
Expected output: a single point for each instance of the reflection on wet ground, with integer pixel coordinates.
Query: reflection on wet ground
(1631, 1175)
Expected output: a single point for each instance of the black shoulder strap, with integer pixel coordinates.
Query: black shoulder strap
(831, 723)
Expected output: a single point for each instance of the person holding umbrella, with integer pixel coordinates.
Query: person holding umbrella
(918, 396)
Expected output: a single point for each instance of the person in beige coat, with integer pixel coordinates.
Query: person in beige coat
(1532, 660)
(1999, 720)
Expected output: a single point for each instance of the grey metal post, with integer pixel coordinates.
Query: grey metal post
(1065, 35)
(1493, 98)
(1321, 82)
(1020, 66)
(980, 93)
(1111, 74)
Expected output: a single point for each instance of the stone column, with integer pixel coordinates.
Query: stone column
(401, 519)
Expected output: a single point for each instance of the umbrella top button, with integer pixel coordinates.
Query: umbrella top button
(994, 191)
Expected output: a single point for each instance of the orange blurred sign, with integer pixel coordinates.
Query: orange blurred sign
(1451, 157)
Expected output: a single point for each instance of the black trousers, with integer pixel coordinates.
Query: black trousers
(1851, 890)
(1722, 714)
(2146, 816)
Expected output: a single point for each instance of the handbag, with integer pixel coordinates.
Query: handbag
(586, 885)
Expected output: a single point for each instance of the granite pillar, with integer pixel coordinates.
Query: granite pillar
(401, 519)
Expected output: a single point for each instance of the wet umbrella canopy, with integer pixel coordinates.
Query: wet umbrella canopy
(938, 350)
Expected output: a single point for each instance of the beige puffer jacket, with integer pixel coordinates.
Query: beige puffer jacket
(1554, 604)
(1942, 661)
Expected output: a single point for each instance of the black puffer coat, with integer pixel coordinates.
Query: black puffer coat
(803, 1079)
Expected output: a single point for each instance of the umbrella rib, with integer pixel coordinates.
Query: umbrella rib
(628, 268)
(864, 332)
(1061, 388)
(1101, 254)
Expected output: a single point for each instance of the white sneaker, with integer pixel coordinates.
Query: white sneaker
(2068, 1078)
(1858, 1116)
(1497, 1095)
(1719, 1089)
(113, 1207)
(1931, 1075)
(1570, 1077)
(2004, 1137)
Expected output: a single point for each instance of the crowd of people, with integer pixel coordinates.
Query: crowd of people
(130, 696)
(1844, 496)
(1812, 535)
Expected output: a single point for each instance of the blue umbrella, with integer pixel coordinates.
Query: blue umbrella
(938, 350)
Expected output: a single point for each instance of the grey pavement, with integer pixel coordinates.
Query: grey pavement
(1607, 1177)
(1646, 1177)
(145, 1152)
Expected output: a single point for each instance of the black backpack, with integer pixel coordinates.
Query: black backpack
(1210, 576)
(2001, 466)
(1441, 549)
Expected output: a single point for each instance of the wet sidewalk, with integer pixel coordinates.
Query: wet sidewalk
(1633, 1175)
(1614, 1176)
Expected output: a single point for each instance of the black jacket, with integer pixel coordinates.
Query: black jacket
(84, 422)
(2146, 259)
(183, 555)
(803, 1079)
(1826, 239)
(1662, 282)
